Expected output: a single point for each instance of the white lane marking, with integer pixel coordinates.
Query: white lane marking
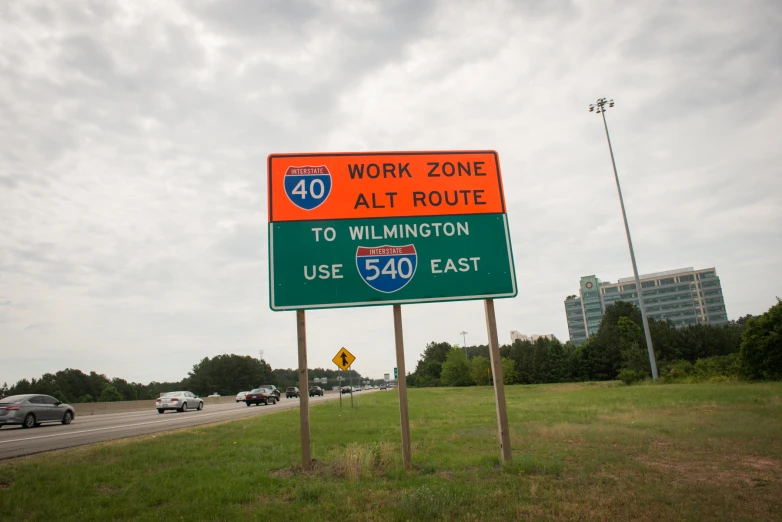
(127, 426)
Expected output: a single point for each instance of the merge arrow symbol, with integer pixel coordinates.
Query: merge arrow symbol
(344, 359)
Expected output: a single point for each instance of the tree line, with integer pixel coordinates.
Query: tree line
(749, 348)
(225, 374)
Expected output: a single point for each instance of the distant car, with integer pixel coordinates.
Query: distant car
(33, 410)
(292, 391)
(383, 387)
(273, 388)
(260, 395)
(213, 395)
(240, 396)
(179, 401)
(345, 389)
(357, 389)
(316, 390)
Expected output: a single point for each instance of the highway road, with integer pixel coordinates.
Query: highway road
(16, 441)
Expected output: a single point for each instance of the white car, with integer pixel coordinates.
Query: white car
(241, 396)
(179, 401)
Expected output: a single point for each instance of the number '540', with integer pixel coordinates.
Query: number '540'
(401, 267)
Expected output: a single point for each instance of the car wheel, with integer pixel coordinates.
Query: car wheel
(67, 418)
(248, 404)
(200, 406)
(184, 407)
(161, 410)
(29, 421)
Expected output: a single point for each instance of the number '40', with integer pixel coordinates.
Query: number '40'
(316, 189)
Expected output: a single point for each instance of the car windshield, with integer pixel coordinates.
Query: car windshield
(259, 390)
(13, 399)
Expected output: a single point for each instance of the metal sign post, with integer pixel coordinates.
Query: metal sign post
(400, 363)
(304, 398)
(499, 386)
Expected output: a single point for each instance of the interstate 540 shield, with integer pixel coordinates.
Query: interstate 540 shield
(361, 229)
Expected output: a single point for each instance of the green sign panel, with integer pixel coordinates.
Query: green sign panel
(336, 263)
(396, 373)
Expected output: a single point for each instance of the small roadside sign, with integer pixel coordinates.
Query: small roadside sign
(386, 377)
(396, 374)
(344, 359)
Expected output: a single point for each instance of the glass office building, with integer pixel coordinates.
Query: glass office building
(685, 296)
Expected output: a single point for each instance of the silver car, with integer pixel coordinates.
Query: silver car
(179, 401)
(33, 409)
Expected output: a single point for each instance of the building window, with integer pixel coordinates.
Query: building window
(628, 287)
(705, 275)
(610, 290)
(647, 284)
(667, 281)
(682, 279)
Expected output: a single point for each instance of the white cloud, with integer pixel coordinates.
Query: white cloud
(132, 165)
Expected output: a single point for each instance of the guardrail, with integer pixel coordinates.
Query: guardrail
(100, 408)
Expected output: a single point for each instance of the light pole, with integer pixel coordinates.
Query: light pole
(600, 108)
(464, 337)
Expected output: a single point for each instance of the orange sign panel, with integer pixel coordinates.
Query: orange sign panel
(359, 185)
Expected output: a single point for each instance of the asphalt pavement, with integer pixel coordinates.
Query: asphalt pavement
(16, 441)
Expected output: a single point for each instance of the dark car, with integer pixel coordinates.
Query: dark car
(273, 389)
(346, 389)
(316, 390)
(260, 395)
(292, 392)
(32, 410)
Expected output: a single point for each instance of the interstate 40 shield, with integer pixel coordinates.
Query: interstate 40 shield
(307, 187)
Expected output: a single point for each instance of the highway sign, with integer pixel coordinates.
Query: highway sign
(396, 374)
(361, 229)
(386, 377)
(344, 359)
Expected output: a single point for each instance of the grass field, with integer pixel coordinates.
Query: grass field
(581, 452)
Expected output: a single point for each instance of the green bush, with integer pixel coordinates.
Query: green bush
(631, 376)
(720, 368)
(676, 371)
(727, 366)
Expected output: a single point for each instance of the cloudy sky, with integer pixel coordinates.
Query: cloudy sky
(133, 138)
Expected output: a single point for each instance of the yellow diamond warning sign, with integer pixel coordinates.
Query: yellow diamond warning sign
(344, 359)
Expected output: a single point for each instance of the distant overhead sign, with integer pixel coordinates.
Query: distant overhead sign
(360, 229)
(343, 359)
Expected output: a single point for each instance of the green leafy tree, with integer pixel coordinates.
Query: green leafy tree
(761, 347)
(4, 390)
(228, 374)
(606, 345)
(456, 369)
(430, 365)
(508, 370)
(634, 357)
(109, 394)
(480, 371)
